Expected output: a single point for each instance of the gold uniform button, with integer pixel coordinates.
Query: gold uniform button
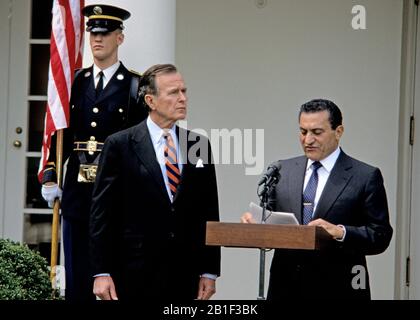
(95, 110)
(121, 110)
(93, 124)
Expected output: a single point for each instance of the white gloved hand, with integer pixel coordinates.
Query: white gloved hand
(50, 193)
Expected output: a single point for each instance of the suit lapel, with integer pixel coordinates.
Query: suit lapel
(145, 151)
(296, 179)
(337, 181)
(117, 82)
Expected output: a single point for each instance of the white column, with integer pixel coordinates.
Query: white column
(149, 33)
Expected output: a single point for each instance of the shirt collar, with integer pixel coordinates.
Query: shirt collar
(108, 72)
(157, 132)
(328, 162)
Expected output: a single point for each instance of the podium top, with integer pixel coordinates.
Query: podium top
(268, 236)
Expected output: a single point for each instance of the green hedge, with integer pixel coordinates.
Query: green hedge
(24, 273)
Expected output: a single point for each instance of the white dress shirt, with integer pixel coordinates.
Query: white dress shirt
(108, 73)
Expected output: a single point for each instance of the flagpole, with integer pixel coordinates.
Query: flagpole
(56, 209)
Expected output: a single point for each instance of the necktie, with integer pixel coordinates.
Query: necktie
(310, 192)
(100, 85)
(171, 164)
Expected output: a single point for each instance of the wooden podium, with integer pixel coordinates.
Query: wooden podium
(266, 236)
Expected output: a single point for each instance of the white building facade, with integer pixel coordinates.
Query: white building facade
(248, 64)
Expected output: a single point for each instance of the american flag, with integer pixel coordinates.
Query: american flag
(66, 51)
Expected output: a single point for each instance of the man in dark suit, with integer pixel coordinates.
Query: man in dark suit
(156, 189)
(104, 100)
(330, 189)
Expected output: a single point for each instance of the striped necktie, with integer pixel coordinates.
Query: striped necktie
(310, 192)
(171, 164)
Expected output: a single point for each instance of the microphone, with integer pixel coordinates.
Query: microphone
(272, 171)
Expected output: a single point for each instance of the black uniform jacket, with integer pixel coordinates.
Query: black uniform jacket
(95, 118)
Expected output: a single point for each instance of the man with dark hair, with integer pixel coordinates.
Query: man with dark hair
(330, 189)
(151, 203)
(104, 100)
(334, 114)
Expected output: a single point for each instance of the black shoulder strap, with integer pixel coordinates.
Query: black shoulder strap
(133, 96)
(134, 87)
(77, 73)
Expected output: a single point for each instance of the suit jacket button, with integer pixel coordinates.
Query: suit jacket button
(172, 209)
(171, 235)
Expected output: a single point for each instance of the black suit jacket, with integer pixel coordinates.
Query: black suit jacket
(354, 196)
(152, 247)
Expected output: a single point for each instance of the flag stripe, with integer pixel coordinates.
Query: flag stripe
(70, 36)
(58, 99)
(66, 51)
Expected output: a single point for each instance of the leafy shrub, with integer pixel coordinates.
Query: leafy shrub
(24, 273)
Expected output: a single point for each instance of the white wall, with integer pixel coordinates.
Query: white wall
(247, 67)
(149, 33)
(4, 79)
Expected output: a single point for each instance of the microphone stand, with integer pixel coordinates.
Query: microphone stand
(263, 194)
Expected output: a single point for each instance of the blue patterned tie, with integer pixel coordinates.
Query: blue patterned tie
(310, 192)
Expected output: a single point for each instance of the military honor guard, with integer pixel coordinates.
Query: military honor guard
(104, 100)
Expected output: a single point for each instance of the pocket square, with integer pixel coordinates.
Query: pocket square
(199, 164)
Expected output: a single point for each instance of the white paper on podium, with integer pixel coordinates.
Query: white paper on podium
(272, 217)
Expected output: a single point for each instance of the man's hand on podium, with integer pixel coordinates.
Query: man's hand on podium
(336, 231)
(247, 218)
